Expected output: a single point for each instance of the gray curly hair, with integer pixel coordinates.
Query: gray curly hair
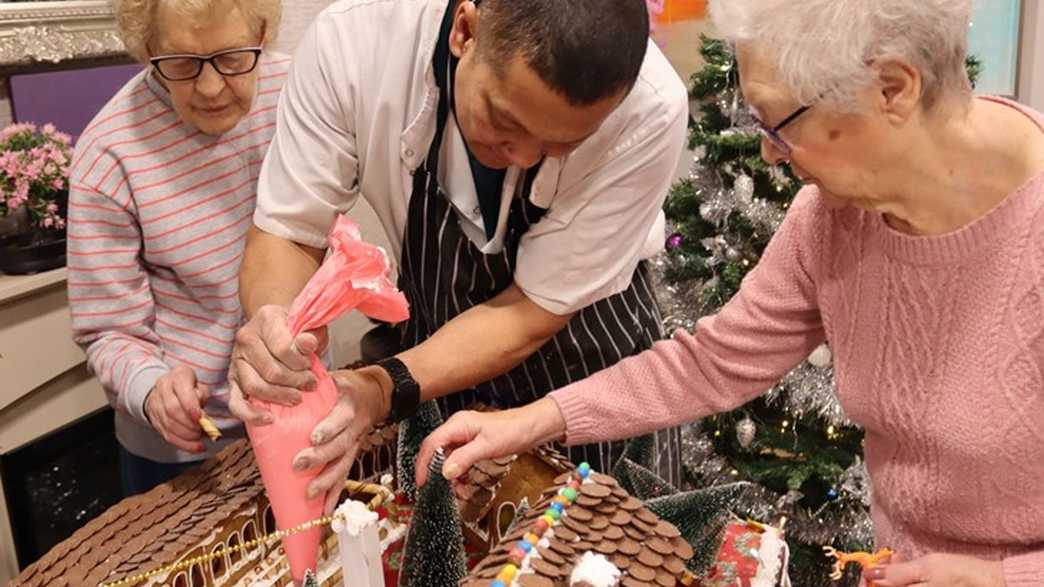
(136, 19)
(822, 48)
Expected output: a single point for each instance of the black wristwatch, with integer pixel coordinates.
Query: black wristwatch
(405, 394)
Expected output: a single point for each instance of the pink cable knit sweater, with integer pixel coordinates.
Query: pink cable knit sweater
(939, 353)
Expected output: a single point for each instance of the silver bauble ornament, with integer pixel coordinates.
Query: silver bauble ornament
(744, 188)
(746, 429)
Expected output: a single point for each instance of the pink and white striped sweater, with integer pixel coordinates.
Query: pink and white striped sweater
(938, 352)
(158, 215)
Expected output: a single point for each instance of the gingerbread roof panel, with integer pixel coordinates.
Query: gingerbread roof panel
(586, 525)
(221, 503)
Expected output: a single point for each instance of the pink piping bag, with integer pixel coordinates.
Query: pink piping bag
(354, 276)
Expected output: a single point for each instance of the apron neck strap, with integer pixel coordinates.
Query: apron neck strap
(442, 63)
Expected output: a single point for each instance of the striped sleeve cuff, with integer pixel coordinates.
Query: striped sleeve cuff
(139, 384)
(1025, 570)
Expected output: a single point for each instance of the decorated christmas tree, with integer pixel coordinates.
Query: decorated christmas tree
(802, 456)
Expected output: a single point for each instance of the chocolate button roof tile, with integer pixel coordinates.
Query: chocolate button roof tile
(477, 477)
(594, 490)
(621, 560)
(599, 523)
(674, 565)
(629, 547)
(682, 549)
(531, 580)
(564, 549)
(649, 558)
(551, 556)
(632, 582)
(645, 528)
(665, 579)
(647, 516)
(631, 504)
(660, 546)
(588, 501)
(563, 532)
(579, 513)
(641, 572)
(634, 533)
(574, 524)
(666, 529)
(546, 569)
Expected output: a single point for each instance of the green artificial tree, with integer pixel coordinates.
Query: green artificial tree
(434, 549)
(412, 432)
(802, 457)
(639, 481)
(700, 514)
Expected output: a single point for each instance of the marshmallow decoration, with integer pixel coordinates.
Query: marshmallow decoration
(594, 570)
(359, 544)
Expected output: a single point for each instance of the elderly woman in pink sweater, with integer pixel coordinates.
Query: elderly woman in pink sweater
(916, 249)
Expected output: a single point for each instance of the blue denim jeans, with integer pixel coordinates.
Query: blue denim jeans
(138, 474)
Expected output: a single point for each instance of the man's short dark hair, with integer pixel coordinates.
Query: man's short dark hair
(587, 50)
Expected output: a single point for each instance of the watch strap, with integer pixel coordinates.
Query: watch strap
(405, 393)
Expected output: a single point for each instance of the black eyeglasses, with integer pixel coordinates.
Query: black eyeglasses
(772, 132)
(184, 67)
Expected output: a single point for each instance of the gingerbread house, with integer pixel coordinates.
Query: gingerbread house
(586, 530)
(207, 522)
(492, 492)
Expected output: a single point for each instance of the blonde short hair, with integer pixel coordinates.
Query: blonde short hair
(136, 19)
(822, 48)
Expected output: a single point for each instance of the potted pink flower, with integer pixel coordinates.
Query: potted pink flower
(34, 191)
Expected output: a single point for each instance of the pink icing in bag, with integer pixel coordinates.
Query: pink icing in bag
(354, 276)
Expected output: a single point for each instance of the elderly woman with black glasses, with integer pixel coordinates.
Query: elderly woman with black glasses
(916, 249)
(163, 189)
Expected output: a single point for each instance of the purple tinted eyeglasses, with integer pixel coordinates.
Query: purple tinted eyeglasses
(772, 132)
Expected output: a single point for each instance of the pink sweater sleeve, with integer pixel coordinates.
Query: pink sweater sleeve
(1025, 570)
(770, 326)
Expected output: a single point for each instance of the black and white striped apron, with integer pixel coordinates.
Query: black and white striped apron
(443, 274)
